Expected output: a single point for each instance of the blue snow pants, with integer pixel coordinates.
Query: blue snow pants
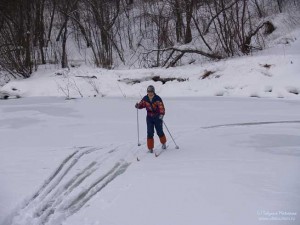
(154, 121)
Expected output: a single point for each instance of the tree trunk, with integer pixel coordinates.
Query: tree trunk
(64, 58)
(189, 14)
(28, 64)
(179, 22)
(51, 22)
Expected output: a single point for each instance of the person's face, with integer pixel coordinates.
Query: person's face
(150, 94)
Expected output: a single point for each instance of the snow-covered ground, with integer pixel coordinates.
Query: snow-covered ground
(272, 73)
(74, 163)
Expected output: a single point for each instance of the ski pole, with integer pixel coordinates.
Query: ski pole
(138, 127)
(177, 147)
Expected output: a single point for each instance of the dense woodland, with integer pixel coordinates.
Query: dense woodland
(143, 33)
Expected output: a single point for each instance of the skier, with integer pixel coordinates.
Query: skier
(155, 114)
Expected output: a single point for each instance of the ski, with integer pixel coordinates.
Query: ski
(141, 156)
(158, 153)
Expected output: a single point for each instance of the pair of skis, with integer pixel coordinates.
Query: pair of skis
(156, 153)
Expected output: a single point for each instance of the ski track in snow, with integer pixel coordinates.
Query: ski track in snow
(61, 196)
(251, 124)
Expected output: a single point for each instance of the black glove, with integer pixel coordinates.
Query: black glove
(137, 105)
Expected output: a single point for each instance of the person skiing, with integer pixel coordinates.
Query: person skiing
(155, 114)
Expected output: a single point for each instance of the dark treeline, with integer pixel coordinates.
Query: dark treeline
(148, 33)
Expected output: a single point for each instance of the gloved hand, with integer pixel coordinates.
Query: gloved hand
(137, 105)
(161, 117)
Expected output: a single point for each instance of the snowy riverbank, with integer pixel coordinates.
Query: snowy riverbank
(272, 73)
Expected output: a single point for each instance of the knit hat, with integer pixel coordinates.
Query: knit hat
(151, 88)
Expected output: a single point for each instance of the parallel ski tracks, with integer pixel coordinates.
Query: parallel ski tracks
(55, 200)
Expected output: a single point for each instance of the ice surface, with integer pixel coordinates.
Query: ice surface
(74, 163)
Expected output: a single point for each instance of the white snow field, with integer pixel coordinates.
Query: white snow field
(74, 163)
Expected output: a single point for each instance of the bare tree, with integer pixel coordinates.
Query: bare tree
(16, 37)
(102, 17)
(146, 33)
